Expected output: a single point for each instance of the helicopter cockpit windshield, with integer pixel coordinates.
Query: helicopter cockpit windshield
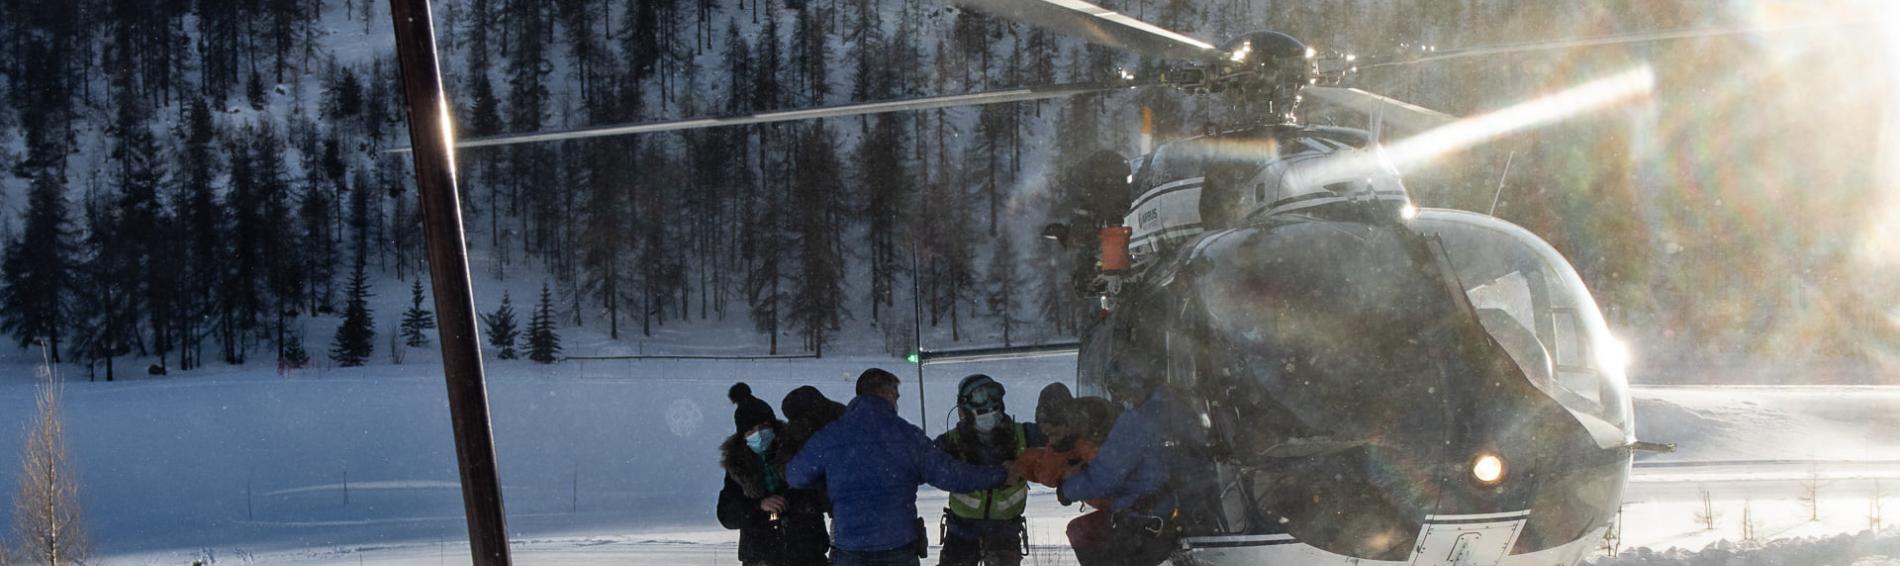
(1538, 309)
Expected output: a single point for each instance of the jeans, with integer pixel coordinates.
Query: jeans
(900, 556)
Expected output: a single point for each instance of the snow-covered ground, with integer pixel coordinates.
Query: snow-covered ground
(614, 461)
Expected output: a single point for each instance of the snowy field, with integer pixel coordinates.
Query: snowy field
(615, 461)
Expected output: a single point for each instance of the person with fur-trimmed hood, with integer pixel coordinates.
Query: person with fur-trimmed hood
(778, 525)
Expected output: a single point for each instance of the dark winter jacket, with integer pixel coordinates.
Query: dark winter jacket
(799, 537)
(870, 462)
(1132, 462)
(806, 411)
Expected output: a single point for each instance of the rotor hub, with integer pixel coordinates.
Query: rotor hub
(1263, 72)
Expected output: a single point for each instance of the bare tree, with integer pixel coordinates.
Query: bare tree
(1873, 508)
(46, 514)
(1811, 492)
(1748, 520)
(1612, 543)
(1706, 516)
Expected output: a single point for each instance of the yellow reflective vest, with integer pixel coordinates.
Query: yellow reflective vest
(1001, 503)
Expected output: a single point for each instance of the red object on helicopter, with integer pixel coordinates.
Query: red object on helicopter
(1115, 248)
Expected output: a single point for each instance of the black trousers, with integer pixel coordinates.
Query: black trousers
(993, 543)
(1099, 540)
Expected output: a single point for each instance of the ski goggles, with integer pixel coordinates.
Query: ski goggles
(983, 398)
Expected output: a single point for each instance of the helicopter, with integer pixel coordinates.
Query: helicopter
(1360, 380)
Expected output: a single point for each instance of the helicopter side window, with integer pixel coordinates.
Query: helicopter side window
(1573, 369)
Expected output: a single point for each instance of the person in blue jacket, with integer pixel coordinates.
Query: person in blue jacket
(871, 461)
(1131, 470)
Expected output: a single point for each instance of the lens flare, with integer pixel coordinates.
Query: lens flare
(1633, 84)
(1881, 245)
(1588, 97)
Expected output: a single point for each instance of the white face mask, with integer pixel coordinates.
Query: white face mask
(987, 421)
(759, 440)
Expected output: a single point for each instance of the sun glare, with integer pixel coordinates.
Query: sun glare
(1597, 94)
(1881, 246)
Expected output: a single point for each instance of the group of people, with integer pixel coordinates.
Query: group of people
(861, 465)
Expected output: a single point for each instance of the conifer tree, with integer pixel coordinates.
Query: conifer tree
(501, 329)
(994, 123)
(817, 302)
(810, 54)
(1004, 280)
(104, 310)
(528, 100)
(317, 244)
(954, 272)
(377, 103)
(284, 265)
(543, 341)
(417, 320)
(202, 225)
(38, 268)
(656, 204)
(885, 180)
(254, 92)
(343, 97)
(605, 240)
(1056, 300)
(356, 336)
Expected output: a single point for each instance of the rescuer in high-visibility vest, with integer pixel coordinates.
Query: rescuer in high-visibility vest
(986, 526)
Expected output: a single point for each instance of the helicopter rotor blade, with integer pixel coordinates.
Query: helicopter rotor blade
(1581, 43)
(1097, 25)
(1023, 94)
(1390, 110)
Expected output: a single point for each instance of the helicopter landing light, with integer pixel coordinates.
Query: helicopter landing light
(1488, 469)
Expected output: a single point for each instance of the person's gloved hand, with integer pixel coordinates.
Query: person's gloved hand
(1063, 497)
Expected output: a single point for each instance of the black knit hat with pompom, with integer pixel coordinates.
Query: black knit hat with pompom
(751, 411)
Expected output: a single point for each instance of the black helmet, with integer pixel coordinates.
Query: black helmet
(979, 394)
(1133, 375)
(1268, 68)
